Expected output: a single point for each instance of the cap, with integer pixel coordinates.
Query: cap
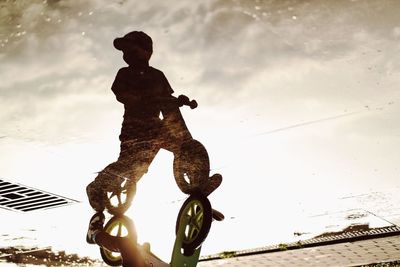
(138, 38)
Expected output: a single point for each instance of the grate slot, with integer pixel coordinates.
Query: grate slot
(2, 193)
(3, 188)
(47, 206)
(48, 201)
(23, 204)
(23, 200)
(4, 183)
(12, 196)
(25, 191)
(34, 194)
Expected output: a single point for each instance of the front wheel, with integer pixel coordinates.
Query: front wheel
(194, 220)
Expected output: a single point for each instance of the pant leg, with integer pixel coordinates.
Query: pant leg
(133, 162)
(173, 142)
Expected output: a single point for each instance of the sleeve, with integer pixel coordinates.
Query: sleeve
(118, 85)
(166, 86)
(119, 88)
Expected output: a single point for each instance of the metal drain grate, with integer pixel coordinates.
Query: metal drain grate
(22, 198)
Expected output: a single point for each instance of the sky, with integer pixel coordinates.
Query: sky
(299, 107)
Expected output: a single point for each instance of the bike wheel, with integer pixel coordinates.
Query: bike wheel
(191, 167)
(119, 226)
(120, 198)
(195, 216)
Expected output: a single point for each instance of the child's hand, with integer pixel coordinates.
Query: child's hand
(183, 100)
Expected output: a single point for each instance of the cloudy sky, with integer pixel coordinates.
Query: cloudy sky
(299, 101)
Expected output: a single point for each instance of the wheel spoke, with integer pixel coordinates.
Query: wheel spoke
(119, 233)
(191, 212)
(197, 224)
(192, 232)
(199, 218)
(112, 195)
(189, 233)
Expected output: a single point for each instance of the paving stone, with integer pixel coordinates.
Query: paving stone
(346, 252)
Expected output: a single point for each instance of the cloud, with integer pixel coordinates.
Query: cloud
(235, 46)
(258, 56)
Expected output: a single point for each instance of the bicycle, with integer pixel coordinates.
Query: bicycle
(191, 169)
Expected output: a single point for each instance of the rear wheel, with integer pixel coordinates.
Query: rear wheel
(119, 226)
(120, 198)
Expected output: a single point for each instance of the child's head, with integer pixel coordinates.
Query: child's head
(136, 46)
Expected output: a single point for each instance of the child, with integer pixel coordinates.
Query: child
(145, 93)
(152, 121)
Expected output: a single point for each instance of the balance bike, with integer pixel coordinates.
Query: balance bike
(191, 169)
(192, 227)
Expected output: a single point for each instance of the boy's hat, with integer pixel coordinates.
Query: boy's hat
(138, 38)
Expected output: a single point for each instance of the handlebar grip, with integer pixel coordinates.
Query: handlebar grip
(193, 104)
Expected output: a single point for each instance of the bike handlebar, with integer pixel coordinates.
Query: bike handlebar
(184, 101)
(173, 102)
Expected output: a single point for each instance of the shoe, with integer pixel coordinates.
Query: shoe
(213, 183)
(95, 225)
(96, 196)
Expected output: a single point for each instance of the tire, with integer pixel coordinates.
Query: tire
(117, 226)
(198, 209)
(191, 167)
(118, 201)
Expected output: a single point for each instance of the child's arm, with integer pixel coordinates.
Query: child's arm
(126, 97)
(172, 102)
(119, 87)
